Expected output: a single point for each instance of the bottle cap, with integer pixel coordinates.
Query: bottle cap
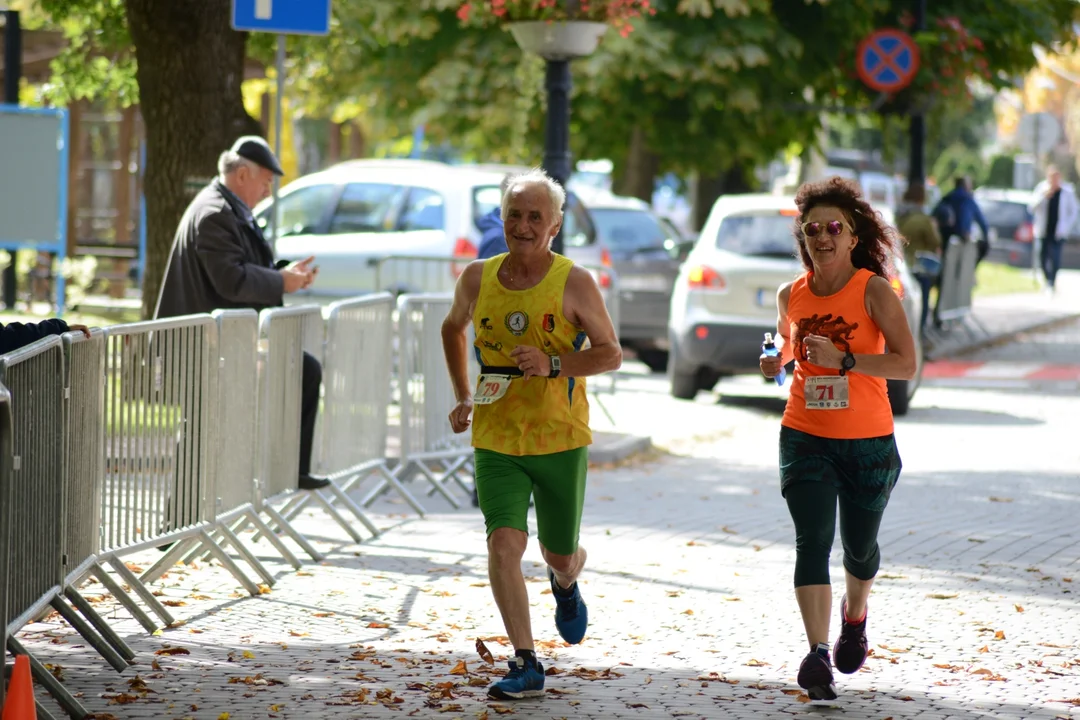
(768, 338)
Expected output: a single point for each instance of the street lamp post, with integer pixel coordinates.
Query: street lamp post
(558, 43)
(557, 157)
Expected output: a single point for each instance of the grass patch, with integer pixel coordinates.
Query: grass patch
(996, 279)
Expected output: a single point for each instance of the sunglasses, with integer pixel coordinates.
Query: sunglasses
(813, 229)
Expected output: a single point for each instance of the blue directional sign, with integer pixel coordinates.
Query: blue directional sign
(287, 17)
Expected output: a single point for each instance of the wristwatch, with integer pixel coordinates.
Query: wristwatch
(556, 366)
(847, 363)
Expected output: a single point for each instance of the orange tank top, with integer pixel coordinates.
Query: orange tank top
(843, 318)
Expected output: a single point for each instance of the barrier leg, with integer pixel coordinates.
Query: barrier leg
(168, 560)
(287, 510)
(392, 480)
(345, 500)
(42, 713)
(41, 674)
(289, 530)
(437, 486)
(338, 517)
(83, 606)
(274, 539)
(144, 592)
(126, 600)
(249, 557)
(83, 628)
(229, 564)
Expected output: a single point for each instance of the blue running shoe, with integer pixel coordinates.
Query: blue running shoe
(524, 680)
(571, 615)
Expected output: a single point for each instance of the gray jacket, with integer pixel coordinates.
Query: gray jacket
(218, 261)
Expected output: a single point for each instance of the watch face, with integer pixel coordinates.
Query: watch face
(849, 361)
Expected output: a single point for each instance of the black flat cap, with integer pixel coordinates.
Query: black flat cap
(255, 149)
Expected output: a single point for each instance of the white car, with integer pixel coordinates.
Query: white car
(396, 225)
(724, 299)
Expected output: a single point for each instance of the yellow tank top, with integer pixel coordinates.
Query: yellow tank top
(537, 416)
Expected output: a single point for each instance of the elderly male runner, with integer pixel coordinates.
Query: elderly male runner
(532, 311)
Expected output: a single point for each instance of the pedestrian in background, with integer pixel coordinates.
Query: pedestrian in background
(1056, 209)
(493, 238)
(836, 436)
(220, 259)
(16, 335)
(922, 251)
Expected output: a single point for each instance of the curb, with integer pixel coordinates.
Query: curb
(619, 449)
(968, 348)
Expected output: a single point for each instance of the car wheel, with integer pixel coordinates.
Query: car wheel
(684, 386)
(899, 396)
(683, 380)
(655, 360)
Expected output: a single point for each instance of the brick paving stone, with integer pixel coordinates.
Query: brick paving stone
(689, 588)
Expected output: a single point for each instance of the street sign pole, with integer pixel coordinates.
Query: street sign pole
(278, 118)
(917, 122)
(12, 75)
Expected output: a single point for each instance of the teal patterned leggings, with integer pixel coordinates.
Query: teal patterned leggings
(819, 474)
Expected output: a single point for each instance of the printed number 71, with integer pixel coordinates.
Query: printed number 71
(825, 392)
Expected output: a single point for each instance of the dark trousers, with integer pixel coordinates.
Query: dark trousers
(309, 409)
(813, 509)
(1050, 258)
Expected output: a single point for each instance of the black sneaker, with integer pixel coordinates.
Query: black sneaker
(312, 482)
(851, 648)
(815, 674)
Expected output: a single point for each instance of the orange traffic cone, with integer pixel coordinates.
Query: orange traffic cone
(20, 694)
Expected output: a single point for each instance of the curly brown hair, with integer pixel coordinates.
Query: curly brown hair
(876, 240)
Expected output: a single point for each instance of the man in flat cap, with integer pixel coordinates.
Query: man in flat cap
(220, 259)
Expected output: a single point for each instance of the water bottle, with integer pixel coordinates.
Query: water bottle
(770, 349)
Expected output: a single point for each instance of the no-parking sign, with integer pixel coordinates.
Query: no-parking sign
(887, 60)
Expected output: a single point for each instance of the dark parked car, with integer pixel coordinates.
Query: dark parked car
(645, 251)
(1011, 230)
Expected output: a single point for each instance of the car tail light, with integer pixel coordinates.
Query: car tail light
(603, 278)
(703, 277)
(1024, 233)
(897, 286)
(462, 248)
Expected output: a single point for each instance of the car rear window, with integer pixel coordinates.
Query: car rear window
(764, 234)
(1000, 212)
(622, 229)
(485, 199)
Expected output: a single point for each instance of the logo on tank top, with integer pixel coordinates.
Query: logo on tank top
(549, 322)
(486, 323)
(517, 322)
(834, 328)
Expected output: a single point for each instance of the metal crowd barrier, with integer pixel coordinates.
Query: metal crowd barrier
(284, 332)
(36, 505)
(611, 295)
(160, 424)
(356, 385)
(957, 280)
(401, 274)
(429, 445)
(235, 443)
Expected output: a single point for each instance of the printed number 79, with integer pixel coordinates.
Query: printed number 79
(491, 388)
(825, 392)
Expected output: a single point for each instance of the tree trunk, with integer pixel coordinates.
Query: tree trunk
(706, 189)
(190, 66)
(639, 171)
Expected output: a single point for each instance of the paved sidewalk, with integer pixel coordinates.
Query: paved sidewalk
(689, 588)
(1001, 317)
